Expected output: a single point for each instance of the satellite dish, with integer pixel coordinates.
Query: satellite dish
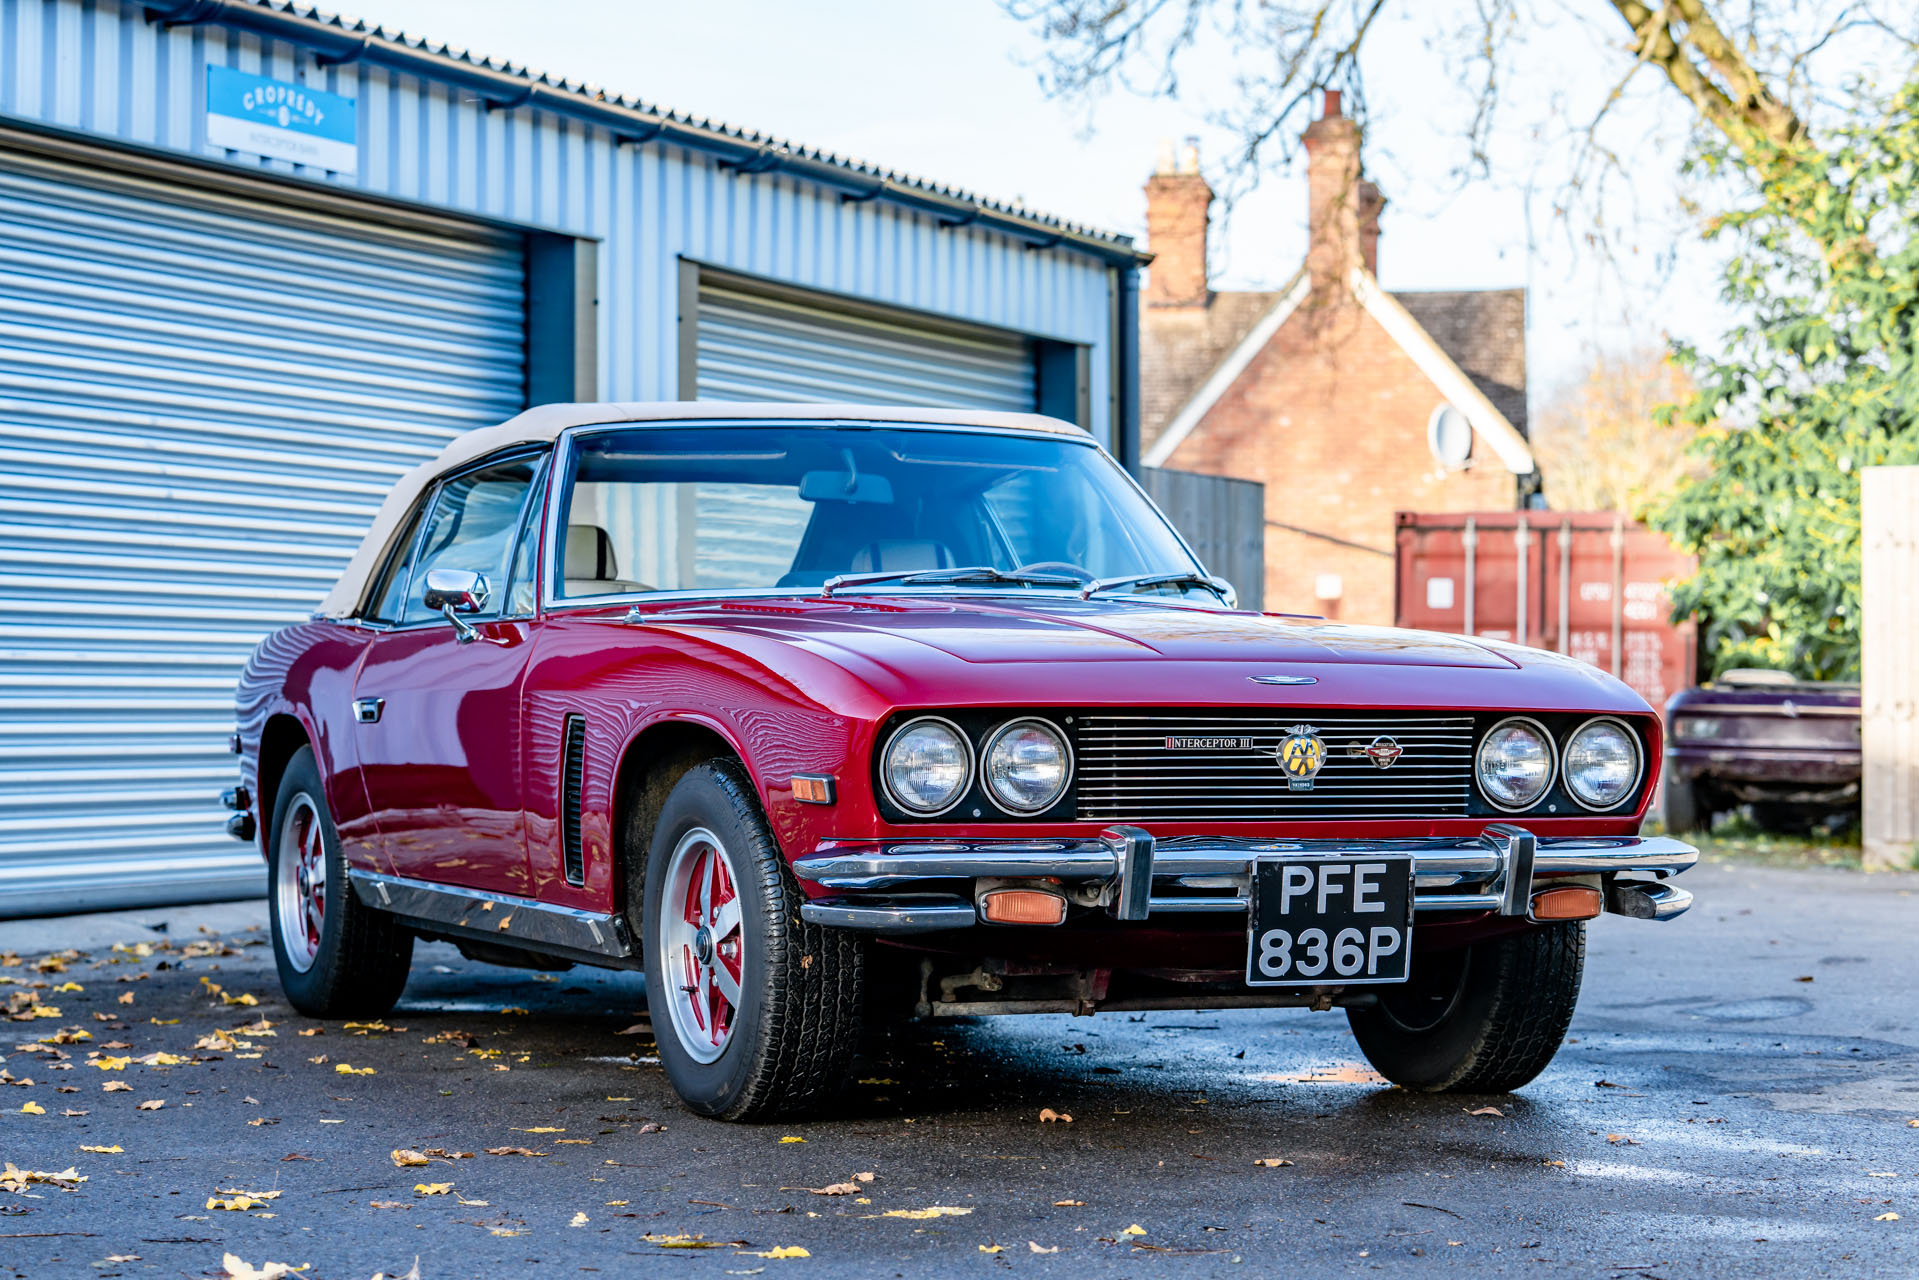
(1450, 437)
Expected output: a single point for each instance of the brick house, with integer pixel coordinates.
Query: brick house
(1348, 402)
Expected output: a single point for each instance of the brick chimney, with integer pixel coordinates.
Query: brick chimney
(1342, 209)
(1370, 205)
(1177, 204)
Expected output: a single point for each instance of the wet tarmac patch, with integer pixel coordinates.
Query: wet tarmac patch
(1760, 1010)
(1341, 1073)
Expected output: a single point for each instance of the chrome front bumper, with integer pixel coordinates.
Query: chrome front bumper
(914, 886)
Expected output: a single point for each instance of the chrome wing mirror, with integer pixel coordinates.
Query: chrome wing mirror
(454, 592)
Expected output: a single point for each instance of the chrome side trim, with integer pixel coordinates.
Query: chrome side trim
(926, 913)
(504, 919)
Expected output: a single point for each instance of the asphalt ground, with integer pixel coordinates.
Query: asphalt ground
(1739, 1095)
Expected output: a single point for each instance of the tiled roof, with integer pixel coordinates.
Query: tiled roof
(1180, 346)
(1483, 331)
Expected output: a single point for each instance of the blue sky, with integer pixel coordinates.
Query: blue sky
(943, 90)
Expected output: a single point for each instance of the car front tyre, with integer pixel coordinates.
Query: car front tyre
(756, 1013)
(1481, 1019)
(338, 958)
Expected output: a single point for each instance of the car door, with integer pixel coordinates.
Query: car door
(437, 703)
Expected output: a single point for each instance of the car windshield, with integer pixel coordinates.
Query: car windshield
(777, 506)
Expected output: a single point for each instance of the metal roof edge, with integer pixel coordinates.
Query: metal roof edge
(340, 40)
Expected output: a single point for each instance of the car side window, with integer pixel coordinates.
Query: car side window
(472, 527)
(389, 598)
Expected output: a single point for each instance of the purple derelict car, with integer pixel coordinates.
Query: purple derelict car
(1787, 747)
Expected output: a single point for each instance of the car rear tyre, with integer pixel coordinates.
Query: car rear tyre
(338, 958)
(756, 1012)
(1686, 808)
(1482, 1019)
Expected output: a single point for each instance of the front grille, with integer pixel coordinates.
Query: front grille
(1227, 769)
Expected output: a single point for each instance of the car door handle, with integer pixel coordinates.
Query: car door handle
(367, 710)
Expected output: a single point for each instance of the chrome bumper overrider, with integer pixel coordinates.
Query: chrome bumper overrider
(908, 886)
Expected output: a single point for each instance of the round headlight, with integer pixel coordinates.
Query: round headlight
(1027, 766)
(1515, 763)
(1602, 763)
(927, 766)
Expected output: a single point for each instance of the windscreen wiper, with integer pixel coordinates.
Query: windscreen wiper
(1184, 577)
(965, 574)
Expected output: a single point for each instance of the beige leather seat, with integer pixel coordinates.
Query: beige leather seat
(590, 566)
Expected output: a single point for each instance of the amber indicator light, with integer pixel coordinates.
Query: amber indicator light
(1567, 902)
(1022, 906)
(813, 788)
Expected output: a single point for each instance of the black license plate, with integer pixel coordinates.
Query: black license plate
(1322, 922)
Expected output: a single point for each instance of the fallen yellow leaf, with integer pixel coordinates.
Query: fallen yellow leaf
(32, 1109)
(1887, 1217)
(1134, 1230)
(538, 1128)
(107, 1062)
(781, 1251)
(237, 1269)
(1069, 1204)
(116, 1086)
(345, 1070)
(432, 1188)
(1037, 1247)
(69, 986)
(512, 1151)
(791, 1138)
(1272, 1162)
(153, 1105)
(16, 1180)
(105, 1151)
(579, 1220)
(406, 1159)
(992, 1248)
(691, 1242)
(240, 1200)
(921, 1215)
(125, 999)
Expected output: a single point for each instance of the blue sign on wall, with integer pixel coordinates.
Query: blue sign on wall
(285, 121)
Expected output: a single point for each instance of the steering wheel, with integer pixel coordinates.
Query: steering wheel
(1059, 567)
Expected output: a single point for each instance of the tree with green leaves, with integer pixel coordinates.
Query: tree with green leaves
(1819, 381)
(1818, 180)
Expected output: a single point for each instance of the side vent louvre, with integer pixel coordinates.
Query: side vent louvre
(573, 776)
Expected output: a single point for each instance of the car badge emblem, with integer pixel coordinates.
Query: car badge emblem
(1300, 754)
(1382, 751)
(1284, 679)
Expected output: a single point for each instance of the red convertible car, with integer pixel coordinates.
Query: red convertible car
(817, 714)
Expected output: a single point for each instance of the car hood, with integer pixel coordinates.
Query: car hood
(965, 650)
(983, 631)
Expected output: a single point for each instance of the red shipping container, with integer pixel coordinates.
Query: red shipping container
(1587, 583)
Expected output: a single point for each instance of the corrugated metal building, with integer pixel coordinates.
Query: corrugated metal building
(256, 261)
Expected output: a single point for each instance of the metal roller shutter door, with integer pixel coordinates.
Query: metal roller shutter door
(754, 346)
(203, 398)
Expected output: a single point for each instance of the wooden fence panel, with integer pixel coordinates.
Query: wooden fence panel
(1890, 660)
(1223, 519)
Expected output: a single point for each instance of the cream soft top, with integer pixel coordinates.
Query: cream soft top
(544, 422)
